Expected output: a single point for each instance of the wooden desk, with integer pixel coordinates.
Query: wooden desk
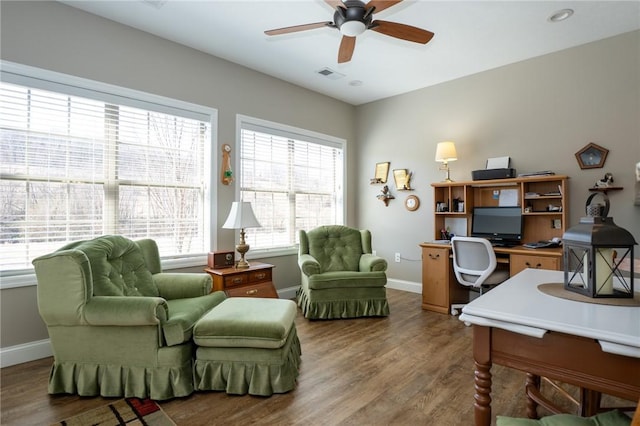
(592, 346)
(439, 286)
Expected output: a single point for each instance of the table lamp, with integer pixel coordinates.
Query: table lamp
(240, 217)
(445, 152)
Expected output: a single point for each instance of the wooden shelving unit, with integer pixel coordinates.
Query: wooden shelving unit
(543, 200)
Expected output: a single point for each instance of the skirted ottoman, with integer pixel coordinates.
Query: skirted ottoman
(247, 345)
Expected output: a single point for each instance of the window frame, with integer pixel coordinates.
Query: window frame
(76, 86)
(293, 133)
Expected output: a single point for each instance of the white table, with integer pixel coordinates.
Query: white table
(593, 346)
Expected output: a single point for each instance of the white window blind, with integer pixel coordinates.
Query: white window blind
(293, 180)
(74, 168)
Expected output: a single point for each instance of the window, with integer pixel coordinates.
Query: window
(293, 179)
(77, 163)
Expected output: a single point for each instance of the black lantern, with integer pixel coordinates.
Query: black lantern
(593, 250)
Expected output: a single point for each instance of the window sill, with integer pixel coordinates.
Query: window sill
(28, 279)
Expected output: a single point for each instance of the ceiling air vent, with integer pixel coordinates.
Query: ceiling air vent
(329, 73)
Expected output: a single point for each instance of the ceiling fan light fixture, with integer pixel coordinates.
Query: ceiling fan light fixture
(561, 15)
(352, 28)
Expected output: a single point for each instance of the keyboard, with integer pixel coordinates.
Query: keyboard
(541, 244)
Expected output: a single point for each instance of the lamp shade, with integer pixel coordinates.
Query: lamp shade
(241, 216)
(446, 151)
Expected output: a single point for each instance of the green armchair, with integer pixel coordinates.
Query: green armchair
(118, 325)
(340, 276)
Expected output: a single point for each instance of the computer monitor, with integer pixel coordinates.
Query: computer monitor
(500, 225)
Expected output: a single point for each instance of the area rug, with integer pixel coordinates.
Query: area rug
(129, 411)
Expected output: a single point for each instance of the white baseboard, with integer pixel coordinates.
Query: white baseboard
(288, 293)
(410, 286)
(25, 352)
(42, 348)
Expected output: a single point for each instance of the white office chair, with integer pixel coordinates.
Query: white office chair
(474, 263)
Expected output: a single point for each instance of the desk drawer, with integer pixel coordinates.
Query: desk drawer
(247, 278)
(260, 276)
(519, 262)
(235, 280)
(265, 289)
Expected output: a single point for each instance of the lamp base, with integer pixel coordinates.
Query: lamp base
(242, 248)
(445, 168)
(242, 263)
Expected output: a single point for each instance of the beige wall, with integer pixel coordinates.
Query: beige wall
(56, 37)
(540, 112)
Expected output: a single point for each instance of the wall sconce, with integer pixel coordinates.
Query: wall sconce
(593, 251)
(445, 152)
(240, 217)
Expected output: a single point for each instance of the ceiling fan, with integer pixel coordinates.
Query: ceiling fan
(353, 17)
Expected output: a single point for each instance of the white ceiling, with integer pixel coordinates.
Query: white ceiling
(470, 37)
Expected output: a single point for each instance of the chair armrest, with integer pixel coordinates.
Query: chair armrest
(125, 310)
(371, 263)
(182, 285)
(308, 265)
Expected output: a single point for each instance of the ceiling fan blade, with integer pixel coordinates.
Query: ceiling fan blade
(335, 3)
(381, 5)
(347, 46)
(297, 28)
(402, 31)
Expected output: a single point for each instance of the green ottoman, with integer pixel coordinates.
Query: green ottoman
(247, 345)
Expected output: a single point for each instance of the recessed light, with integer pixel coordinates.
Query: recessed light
(561, 15)
(355, 83)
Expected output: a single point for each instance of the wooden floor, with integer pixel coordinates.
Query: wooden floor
(414, 367)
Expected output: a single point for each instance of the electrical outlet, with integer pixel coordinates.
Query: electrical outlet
(398, 257)
(373, 252)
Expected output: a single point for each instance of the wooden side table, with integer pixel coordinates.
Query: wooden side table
(254, 281)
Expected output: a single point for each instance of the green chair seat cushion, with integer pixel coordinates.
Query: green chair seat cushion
(185, 313)
(609, 418)
(247, 322)
(347, 279)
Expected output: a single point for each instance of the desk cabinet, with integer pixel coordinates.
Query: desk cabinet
(255, 281)
(439, 285)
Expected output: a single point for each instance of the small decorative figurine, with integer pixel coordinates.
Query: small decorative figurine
(385, 195)
(605, 182)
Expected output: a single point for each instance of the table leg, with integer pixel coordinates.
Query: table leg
(482, 405)
(589, 402)
(532, 382)
(482, 380)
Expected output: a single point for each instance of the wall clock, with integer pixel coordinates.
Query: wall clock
(412, 203)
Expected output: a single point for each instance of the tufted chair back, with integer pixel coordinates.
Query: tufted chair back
(118, 266)
(336, 247)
